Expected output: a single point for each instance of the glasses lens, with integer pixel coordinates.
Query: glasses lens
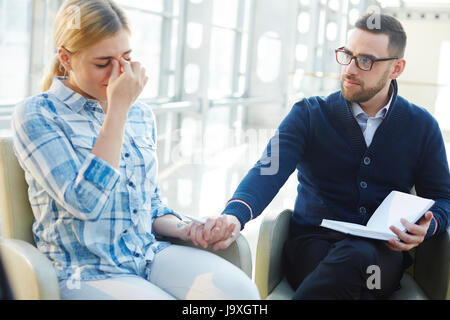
(365, 63)
(342, 57)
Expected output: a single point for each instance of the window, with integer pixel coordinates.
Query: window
(146, 44)
(14, 49)
(228, 51)
(443, 92)
(153, 5)
(221, 62)
(269, 57)
(154, 41)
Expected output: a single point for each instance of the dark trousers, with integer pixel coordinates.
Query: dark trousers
(5, 290)
(323, 264)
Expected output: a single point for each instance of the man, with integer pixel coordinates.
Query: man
(351, 149)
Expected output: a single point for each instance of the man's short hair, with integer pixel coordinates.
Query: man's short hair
(386, 25)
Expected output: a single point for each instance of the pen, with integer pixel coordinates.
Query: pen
(195, 219)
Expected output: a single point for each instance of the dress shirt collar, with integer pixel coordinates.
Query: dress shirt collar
(75, 101)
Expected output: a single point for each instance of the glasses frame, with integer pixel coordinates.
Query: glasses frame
(342, 49)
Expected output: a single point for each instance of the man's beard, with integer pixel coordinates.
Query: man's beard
(363, 94)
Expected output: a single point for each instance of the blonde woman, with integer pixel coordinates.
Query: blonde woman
(88, 151)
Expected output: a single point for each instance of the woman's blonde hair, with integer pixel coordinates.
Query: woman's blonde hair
(80, 24)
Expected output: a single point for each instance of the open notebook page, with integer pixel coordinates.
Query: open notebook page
(398, 205)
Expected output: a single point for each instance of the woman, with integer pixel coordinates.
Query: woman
(88, 151)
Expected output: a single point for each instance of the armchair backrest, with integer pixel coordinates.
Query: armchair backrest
(15, 210)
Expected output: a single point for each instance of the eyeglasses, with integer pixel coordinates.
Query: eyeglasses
(363, 62)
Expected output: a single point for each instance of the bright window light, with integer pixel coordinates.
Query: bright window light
(443, 92)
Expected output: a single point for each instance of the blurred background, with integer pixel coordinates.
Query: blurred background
(224, 73)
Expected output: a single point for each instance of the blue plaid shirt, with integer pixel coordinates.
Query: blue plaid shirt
(91, 220)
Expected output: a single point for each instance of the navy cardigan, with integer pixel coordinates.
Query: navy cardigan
(339, 177)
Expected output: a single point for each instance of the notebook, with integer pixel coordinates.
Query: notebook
(395, 206)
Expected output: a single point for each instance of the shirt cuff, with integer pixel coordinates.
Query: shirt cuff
(99, 172)
(431, 229)
(162, 211)
(240, 209)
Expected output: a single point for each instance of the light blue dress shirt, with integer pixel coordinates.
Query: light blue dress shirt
(368, 124)
(91, 220)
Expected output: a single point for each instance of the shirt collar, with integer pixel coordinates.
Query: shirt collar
(357, 110)
(72, 99)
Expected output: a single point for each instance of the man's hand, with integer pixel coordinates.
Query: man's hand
(414, 237)
(222, 231)
(195, 234)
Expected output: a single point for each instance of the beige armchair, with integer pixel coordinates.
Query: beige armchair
(428, 280)
(30, 274)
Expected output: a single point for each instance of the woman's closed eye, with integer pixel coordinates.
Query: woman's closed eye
(107, 64)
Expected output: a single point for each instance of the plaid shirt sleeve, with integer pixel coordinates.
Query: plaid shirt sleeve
(45, 152)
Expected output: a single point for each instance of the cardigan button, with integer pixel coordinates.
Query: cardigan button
(362, 210)
(367, 161)
(363, 184)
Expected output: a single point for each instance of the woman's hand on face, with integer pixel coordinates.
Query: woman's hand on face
(126, 83)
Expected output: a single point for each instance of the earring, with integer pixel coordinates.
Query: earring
(65, 71)
(61, 68)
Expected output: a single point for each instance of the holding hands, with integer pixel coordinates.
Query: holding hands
(220, 232)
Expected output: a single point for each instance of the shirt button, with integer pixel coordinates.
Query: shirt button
(363, 184)
(362, 210)
(127, 155)
(134, 210)
(136, 255)
(131, 184)
(367, 161)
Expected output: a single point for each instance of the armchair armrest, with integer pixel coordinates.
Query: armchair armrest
(272, 236)
(432, 266)
(238, 253)
(30, 274)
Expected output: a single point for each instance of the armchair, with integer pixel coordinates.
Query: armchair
(30, 273)
(428, 280)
